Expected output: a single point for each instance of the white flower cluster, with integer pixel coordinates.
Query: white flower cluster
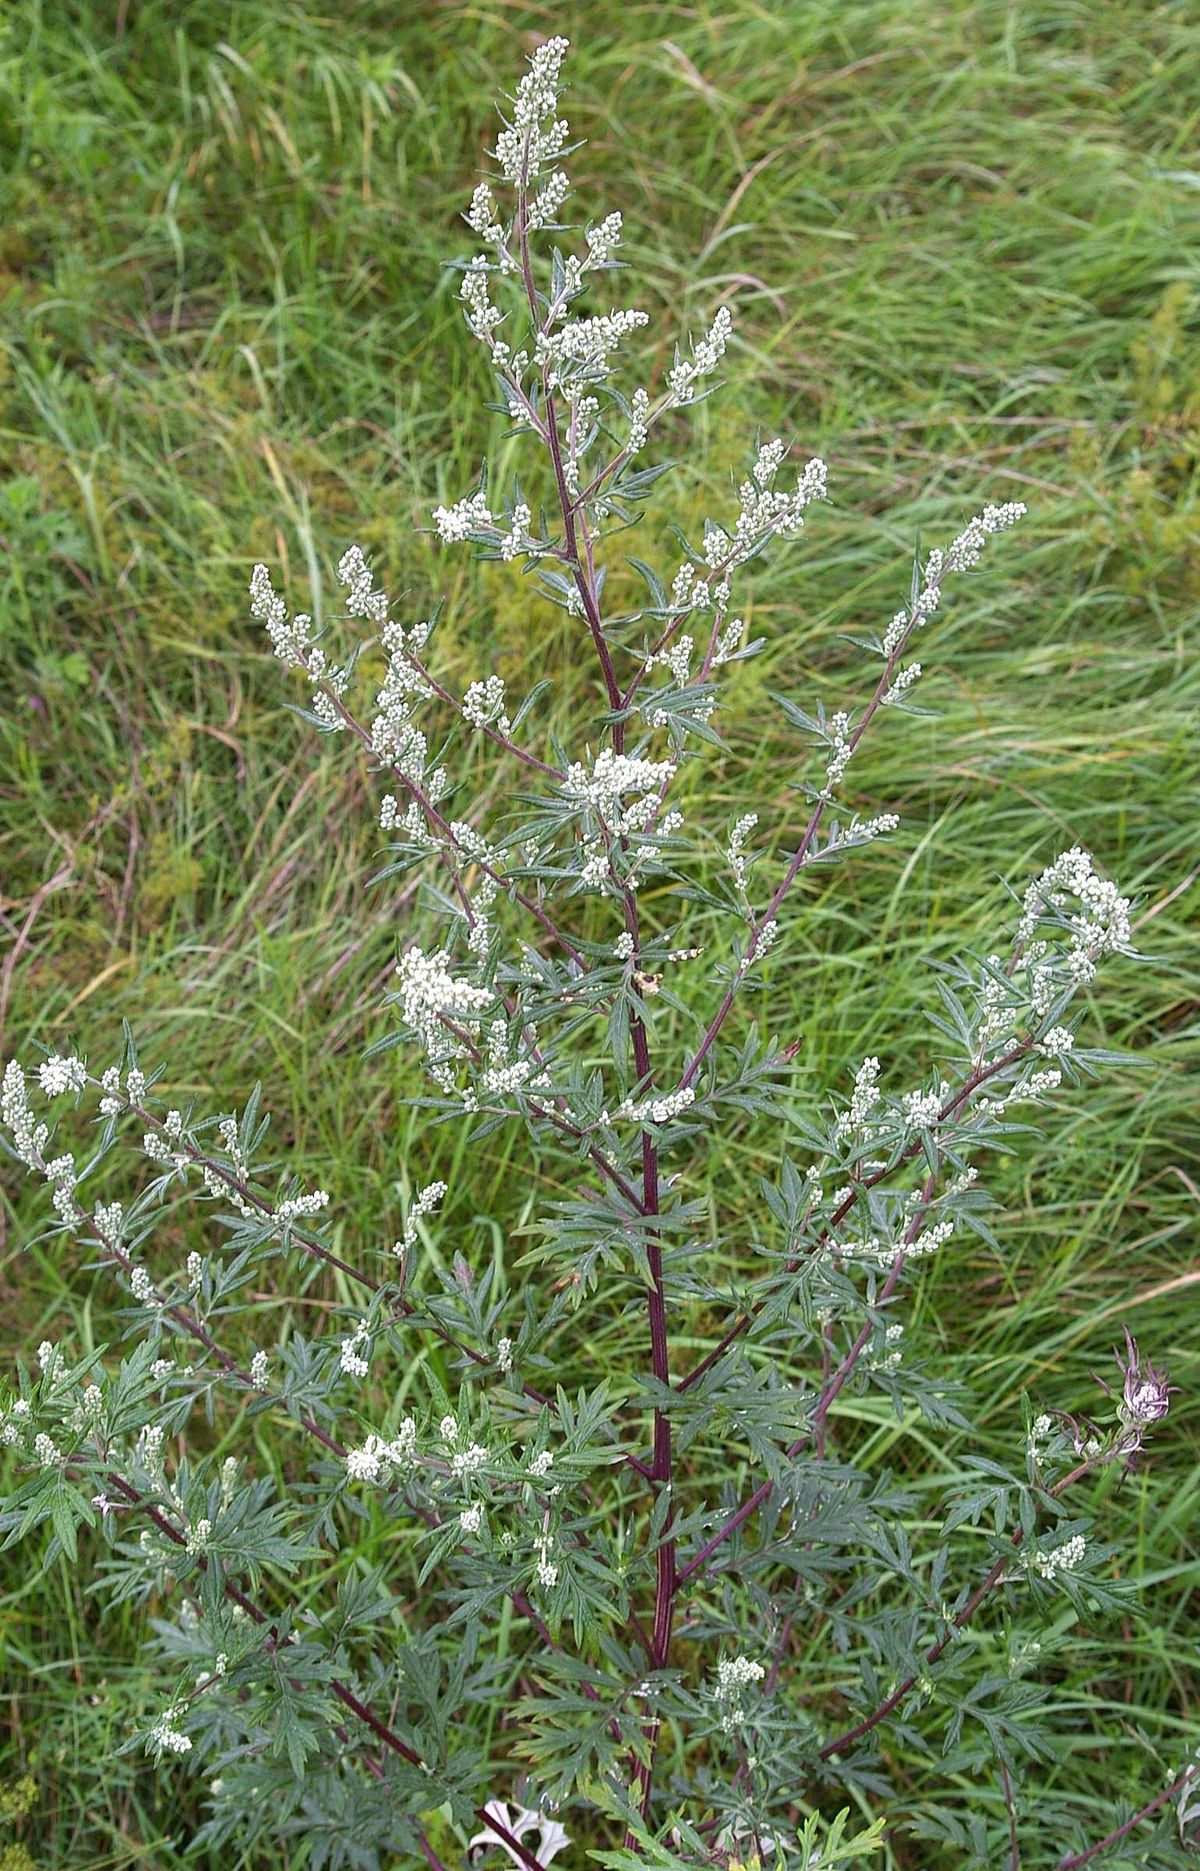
(198, 1536)
(907, 678)
(734, 1674)
(545, 1571)
(59, 1073)
(362, 599)
(611, 776)
(290, 641)
(29, 1137)
(761, 944)
(109, 1218)
(166, 1737)
(967, 550)
(923, 1108)
(839, 759)
(544, 208)
(736, 854)
(962, 553)
(377, 1458)
(423, 1205)
(1101, 926)
(764, 508)
(602, 239)
(149, 1450)
(677, 657)
(355, 1352)
(16, 1424)
(688, 373)
(578, 352)
(483, 704)
(166, 1143)
(1104, 924)
(215, 1182)
(863, 1101)
(396, 740)
(111, 1101)
(996, 1013)
(468, 1461)
(518, 539)
(142, 1288)
(429, 993)
(29, 1140)
(472, 515)
(410, 821)
(662, 1110)
(260, 1370)
(1064, 1558)
(1040, 1432)
(296, 645)
(930, 1239)
(862, 831)
(690, 593)
(502, 1075)
(639, 422)
(298, 1207)
(481, 315)
(481, 216)
(528, 144)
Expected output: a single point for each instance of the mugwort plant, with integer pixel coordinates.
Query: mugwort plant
(503, 1602)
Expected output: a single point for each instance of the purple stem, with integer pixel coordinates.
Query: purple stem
(1168, 1793)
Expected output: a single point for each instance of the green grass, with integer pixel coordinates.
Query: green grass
(961, 240)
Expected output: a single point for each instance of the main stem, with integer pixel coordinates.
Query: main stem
(581, 555)
(660, 1466)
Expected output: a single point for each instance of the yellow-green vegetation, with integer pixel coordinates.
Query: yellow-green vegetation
(961, 239)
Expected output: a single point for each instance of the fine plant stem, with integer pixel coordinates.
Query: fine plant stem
(309, 1245)
(566, 505)
(405, 1308)
(450, 840)
(1014, 1849)
(195, 1328)
(341, 1690)
(956, 1624)
(575, 533)
(797, 861)
(744, 1321)
(1074, 1859)
(835, 1383)
(488, 728)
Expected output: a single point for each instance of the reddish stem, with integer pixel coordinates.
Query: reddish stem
(344, 1694)
(580, 551)
(1070, 1862)
(797, 860)
(747, 1319)
(879, 1714)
